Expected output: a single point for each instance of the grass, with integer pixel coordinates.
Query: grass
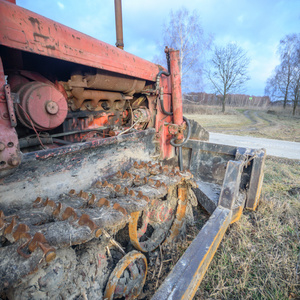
(259, 257)
(258, 123)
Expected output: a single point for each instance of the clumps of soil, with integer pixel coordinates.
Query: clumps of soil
(294, 191)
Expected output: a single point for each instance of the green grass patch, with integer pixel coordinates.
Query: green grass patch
(259, 256)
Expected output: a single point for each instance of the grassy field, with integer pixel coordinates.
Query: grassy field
(259, 258)
(258, 123)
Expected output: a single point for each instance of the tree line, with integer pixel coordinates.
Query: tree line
(233, 100)
(226, 68)
(284, 84)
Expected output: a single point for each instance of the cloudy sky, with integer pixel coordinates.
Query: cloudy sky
(255, 25)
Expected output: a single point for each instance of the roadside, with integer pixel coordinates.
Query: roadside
(273, 147)
(259, 256)
(255, 123)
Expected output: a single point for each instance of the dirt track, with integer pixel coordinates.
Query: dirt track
(274, 147)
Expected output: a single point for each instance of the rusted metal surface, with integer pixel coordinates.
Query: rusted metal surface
(25, 30)
(185, 277)
(180, 214)
(231, 184)
(136, 264)
(72, 165)
(10, 155)
(10, 106)
(256, 180)
(176, 86)
(41, 106)
(100, 211)
(119, 24)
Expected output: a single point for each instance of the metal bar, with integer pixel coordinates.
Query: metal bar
(176, 86)
(256, 180)
(119, 24)
(186, 276)
(24, 30)
(231, 184)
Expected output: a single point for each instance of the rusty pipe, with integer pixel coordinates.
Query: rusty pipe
(119, 24)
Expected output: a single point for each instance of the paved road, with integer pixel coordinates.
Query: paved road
(274, 147)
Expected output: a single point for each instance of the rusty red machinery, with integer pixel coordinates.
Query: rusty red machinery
(98, 166)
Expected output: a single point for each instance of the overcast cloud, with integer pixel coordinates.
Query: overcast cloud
(255, 25)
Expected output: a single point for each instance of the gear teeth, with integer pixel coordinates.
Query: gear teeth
(119, 208)
(117, 188)
(119, 174)
(72, 192)
(126, 191)
(125, 175)
(103, 201)
(150, 181)
(158, 184)
(83, 195)
(164, 185)
(85, 220)
(131, 193)
(57, 210)
(39, 240)
(98, 184)
(10, 227)
(140, 194)
(136, 165)
(37, 201)
(106, 184)
(92, 200)
(146, 198)
(177, 173)
(68, 213)
(171, 174)
(21, 232)
(50, 203)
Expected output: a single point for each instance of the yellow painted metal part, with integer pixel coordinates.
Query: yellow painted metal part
(133, 230)
(180, 214)
(119, 270)
(185, 278)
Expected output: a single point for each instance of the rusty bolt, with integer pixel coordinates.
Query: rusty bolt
(2, 146)
(13, 161)
(52, 107)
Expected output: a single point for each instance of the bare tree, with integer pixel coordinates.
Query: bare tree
(284, 83)
(228, 70)
(183, 31)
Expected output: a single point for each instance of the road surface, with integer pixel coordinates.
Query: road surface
(274, 147)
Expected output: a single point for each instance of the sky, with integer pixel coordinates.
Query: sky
(255, 25)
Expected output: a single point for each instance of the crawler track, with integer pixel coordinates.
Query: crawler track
(82, 243)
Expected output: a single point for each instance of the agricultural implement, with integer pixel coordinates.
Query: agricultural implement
(99, 167)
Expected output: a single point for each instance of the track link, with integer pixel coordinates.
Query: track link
(146, 204)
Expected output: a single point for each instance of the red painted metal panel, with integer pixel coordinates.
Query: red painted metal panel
(24, 30)
(176, 87)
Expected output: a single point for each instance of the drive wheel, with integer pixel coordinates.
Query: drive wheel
(128, 278)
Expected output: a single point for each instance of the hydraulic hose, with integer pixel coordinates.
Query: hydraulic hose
(172, 141)
(162, 72)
